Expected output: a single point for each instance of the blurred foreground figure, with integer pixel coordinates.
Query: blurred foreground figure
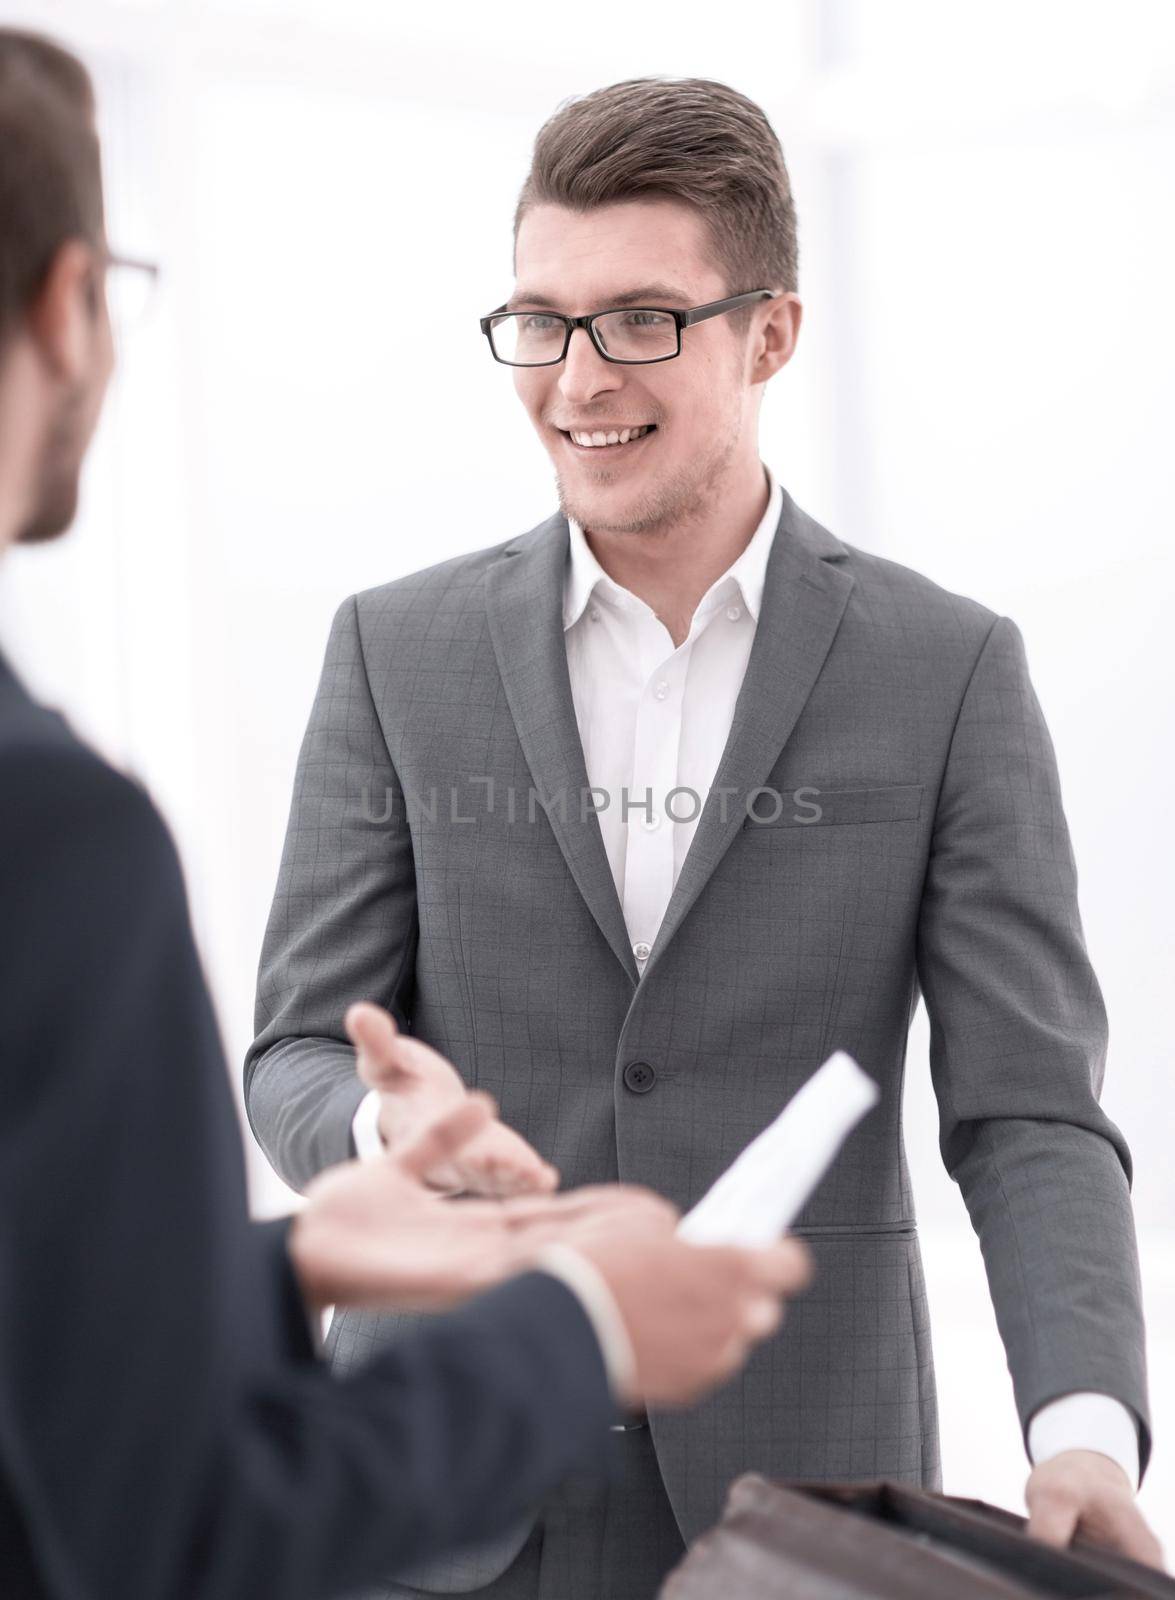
(166, 1426)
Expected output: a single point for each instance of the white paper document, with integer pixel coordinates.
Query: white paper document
(761, 1193)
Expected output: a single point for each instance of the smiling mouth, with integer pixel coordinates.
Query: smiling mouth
(610, 443)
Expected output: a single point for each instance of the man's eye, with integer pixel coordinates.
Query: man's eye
(537, 324)
(646, 319)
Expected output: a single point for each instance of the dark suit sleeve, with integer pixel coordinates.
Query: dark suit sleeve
(343, 925)
(164, 1429)
(1018, 1040)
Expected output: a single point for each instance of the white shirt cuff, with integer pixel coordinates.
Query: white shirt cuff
(1086, 1421)
(590, 1288)
(365, 1127)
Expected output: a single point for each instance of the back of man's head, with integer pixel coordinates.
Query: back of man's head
(50, 169)
(56, 351)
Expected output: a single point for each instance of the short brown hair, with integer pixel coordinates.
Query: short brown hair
(50, 167)
(686, 139)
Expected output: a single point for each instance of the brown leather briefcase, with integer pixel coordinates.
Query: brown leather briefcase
(884, 1541)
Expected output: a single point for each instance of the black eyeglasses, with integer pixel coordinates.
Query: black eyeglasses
(634, 336)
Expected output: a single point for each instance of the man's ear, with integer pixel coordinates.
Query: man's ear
(63, 318)
(778, 336)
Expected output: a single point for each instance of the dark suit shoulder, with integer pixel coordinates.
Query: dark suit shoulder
(25, 724)
(65, 813)
(93, 926)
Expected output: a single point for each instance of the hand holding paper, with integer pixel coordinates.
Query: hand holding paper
(758, 1197)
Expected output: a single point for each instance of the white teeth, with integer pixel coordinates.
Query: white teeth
(624, 436)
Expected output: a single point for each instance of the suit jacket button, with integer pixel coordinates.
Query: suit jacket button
(639, 1077)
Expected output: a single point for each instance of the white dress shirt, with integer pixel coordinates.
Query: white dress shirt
(654, 720)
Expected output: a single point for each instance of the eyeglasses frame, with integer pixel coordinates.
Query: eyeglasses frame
(682, 320)
(111, 258)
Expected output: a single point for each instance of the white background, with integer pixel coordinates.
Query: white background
(983, 391)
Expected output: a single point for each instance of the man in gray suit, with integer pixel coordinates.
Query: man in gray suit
(637, 816)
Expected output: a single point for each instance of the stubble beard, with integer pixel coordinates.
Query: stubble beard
(663, 506)
(55, 497)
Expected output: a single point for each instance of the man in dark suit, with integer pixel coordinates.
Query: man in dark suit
(166, 1428)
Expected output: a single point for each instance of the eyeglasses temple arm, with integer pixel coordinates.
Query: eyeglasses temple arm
(702, 313)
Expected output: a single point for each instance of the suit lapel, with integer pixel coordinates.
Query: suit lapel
(804, 596)
(524, 603)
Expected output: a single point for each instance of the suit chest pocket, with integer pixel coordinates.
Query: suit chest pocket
(811, 807)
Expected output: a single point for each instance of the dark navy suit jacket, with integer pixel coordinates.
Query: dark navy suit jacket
(165, 1426)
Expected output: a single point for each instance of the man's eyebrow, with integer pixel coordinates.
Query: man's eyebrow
(649, 294)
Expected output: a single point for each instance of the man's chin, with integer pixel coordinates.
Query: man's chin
(621, 509)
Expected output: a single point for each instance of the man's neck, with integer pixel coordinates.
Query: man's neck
(671, 569)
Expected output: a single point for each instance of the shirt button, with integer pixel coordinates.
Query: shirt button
(639, 1077)
(594, 614)
(641, 951)
(651, 824)
(734, 612)
(661, 690)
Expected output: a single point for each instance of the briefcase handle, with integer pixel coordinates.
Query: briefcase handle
(995, 1537)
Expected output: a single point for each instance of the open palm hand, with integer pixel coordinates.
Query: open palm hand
(373, 1233)
(417, 1085)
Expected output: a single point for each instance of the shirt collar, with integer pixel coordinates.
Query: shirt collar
(582, 576)
(584, 573)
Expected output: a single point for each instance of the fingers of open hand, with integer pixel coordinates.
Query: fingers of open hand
(615, 1212)
(645, 1210)
(390, 1060)
(373, 1032)
(443, 1139)
(500, 1163)
(511, 1167)
(596, 1212)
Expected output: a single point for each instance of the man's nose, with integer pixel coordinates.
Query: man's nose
(585, 372)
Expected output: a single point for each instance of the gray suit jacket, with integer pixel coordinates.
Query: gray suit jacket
(939, 862)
